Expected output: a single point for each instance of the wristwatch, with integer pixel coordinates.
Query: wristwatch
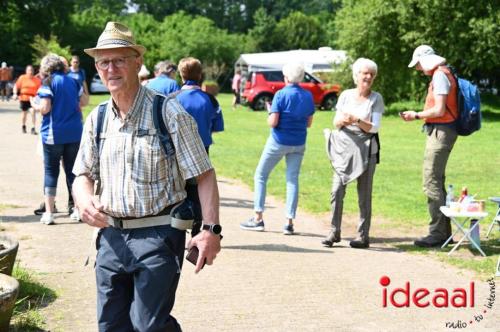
(417, 116)
(214, 228)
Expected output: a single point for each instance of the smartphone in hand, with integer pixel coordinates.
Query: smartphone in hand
(192, 256)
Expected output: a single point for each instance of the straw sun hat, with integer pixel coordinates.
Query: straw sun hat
(115, 35)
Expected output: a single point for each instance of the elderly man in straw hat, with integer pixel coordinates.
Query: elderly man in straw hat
(439, 114)
(140, 252)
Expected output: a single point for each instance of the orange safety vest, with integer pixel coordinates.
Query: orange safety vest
(27, 87)
(5, 74)
(451, 113)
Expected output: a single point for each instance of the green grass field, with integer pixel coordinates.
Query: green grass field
(397, 195)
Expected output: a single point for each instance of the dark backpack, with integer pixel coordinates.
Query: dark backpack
(469, 106)
(168, 147)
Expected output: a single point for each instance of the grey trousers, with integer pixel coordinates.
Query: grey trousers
(440, 142)
(137, 273)
(364, 185)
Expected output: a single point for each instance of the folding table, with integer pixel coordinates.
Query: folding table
(461, 220)
(496, 218)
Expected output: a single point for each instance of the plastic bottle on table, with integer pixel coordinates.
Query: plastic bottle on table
(450, 197)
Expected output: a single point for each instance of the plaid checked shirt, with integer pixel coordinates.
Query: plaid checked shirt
(136, 177)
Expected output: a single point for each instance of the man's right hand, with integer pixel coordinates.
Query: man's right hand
(91, 212)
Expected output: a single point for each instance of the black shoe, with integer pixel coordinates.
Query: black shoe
(333, 237)
(24, 130)
(33, 131)
(41, 209)
(360, 243)
(430, 242)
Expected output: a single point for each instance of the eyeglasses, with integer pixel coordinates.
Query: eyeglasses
(117, 62)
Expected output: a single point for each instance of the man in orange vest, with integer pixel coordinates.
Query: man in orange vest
(439, 114)
(25, 88)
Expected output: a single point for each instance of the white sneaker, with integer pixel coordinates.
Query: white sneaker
(75, 215)
(47, 218)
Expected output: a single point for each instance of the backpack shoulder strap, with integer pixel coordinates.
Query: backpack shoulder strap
(100, 121)
(161, 128)
(453, 73)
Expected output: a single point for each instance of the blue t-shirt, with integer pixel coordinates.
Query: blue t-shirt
(207, 113)
(163, 84)
(295, 105)
(77, 75)
(63, 124)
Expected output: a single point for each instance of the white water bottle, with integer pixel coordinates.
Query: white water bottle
(449, 195)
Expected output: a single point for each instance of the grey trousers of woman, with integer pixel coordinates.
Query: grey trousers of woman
(364, 185)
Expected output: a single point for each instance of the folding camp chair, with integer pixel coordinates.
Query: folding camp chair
(496, 218)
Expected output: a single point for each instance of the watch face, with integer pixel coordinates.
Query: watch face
(216, 229)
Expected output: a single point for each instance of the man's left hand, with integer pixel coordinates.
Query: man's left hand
(208, 245)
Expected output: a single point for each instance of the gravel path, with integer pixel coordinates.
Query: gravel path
(260, 282)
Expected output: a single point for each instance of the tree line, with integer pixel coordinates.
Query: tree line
(218, 31)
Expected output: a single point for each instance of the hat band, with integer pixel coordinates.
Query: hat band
(114, 41)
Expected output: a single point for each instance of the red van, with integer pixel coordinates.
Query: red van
(261, 86)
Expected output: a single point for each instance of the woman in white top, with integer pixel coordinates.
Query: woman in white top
(353, 148)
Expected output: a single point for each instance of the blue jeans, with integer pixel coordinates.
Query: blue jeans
(272, 154)
(137, 273)
(52, 154)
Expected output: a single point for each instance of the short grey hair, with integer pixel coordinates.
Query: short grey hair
(160, 67)
(294, 72)
(165, 67)
(361, 63)
(51, 63)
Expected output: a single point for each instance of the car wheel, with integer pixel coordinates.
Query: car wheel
(259, 104)
(329, 102)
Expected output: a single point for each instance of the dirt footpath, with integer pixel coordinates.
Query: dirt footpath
(260, 281)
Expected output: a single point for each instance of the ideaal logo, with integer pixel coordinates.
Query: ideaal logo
(423, 297)
(439, 298)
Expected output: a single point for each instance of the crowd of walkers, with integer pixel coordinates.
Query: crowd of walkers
(139, 170)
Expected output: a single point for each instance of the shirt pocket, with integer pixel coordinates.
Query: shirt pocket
(149, 164)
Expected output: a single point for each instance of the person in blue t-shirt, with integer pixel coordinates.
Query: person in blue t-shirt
(203, 107)
(290, 115)
(60, 99)
(74, 71)
(205, 110)
(164, 81)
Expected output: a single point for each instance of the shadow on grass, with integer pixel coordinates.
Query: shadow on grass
(33, 296)
(491, 247)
